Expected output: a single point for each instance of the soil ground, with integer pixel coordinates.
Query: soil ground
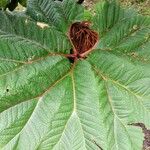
(143, 6)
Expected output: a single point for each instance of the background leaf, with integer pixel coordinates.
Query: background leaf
(3, 3)
(56, 13)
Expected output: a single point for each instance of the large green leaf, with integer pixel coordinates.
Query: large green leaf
(50, 103)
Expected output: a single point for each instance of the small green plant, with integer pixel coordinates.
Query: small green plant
(49, 101)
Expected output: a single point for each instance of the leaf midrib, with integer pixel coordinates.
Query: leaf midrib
(25, 63)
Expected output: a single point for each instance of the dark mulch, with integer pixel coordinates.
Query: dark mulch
(146, 142)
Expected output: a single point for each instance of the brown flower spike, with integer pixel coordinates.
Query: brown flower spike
(82, 38)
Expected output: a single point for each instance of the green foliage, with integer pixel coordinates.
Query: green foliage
(23, 2)
(55, 13)
(49, 103)
(3, 3)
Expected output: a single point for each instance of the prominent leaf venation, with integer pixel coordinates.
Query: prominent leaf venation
(40, 97)
(20, 40)
(25, 64)
(56, 13)
(137, 95)
(110, 125)
(16, 123)
(31, 81)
